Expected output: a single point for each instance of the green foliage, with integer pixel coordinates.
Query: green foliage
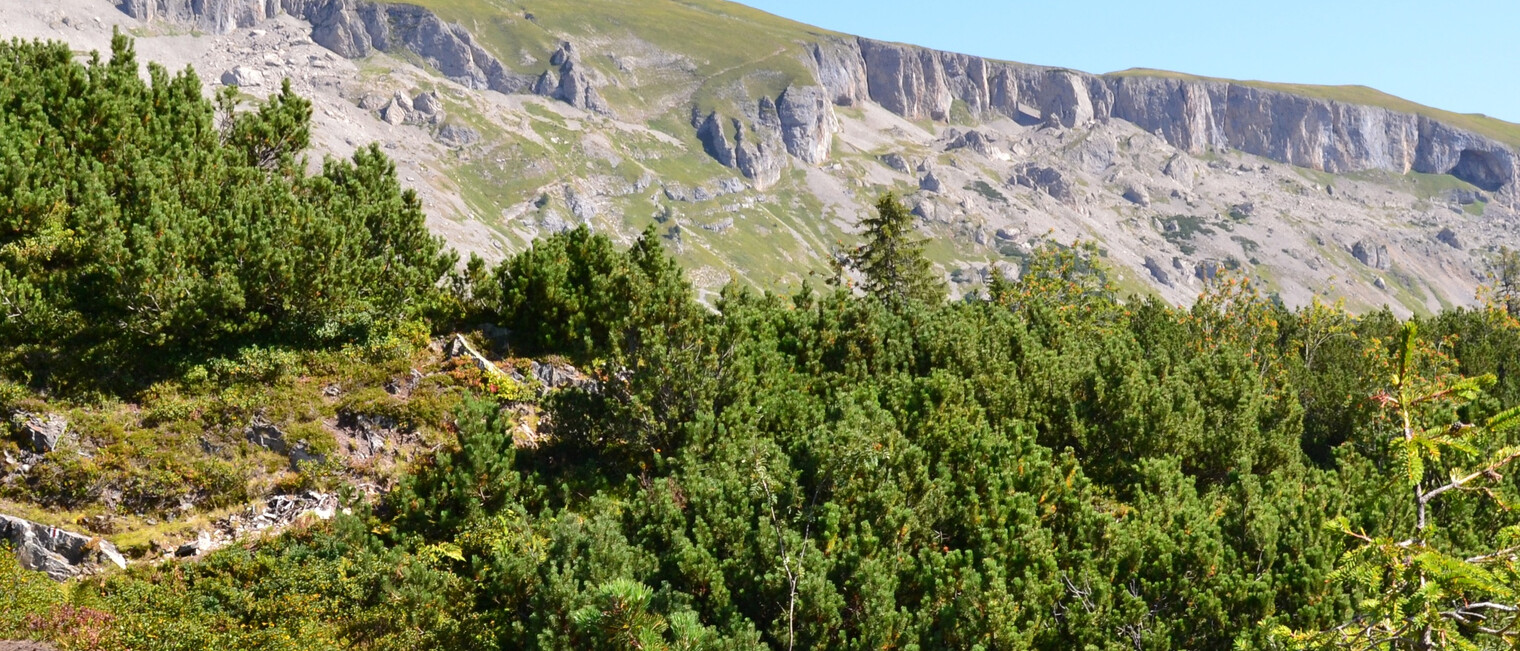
(574, 293)
(986, 190)
(1415, 591)
(144, 228)
(27, 597)
(465, 483)
(1054, 467)
(892, 257)
(327, 588)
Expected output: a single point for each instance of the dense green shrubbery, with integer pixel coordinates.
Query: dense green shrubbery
(828, 470)
(1051, 467)
(144, 228)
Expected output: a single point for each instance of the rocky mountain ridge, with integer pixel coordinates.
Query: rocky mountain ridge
(918, 83)
(754, 145)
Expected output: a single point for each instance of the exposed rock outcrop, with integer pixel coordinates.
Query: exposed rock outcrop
(896, 162)
(1158, 272)
(800, 122)
(1449, 238)
(917, 83)
(906, 80)
(264, 434)
(216, 16)
(243, 77)
(42, 432)
(757, 149)
(570, 84)
(1372, 254)
(275, 514)
(808, 123)
(1045, 179)
(715, 142)
(931, 182)
(353, 29)
(61, 554)
(1190, 114)
(838, 66)
(455, 135)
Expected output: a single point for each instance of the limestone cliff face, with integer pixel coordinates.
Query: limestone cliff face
(800, 122)
(918, 83)
(357, 28)
(216, 16)
(808, 122)
(1190, 114)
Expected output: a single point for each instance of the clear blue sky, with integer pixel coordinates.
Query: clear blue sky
(1459, 55)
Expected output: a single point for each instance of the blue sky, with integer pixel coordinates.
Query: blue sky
(1459, 55)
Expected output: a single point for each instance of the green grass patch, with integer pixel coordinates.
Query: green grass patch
(985, 189)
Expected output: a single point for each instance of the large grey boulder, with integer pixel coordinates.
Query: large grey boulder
(974, 140)
(455, 135)
(394, 113)
(1136, 194)
(42, 432)
(1158, 272)
(896, 162)
(1045, 179)
(427, 103)
(931, 182)
(1372, 254)
(243, 77)
(1449, 238)
(61, 554)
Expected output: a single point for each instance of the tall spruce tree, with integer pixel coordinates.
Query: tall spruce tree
(892, 258)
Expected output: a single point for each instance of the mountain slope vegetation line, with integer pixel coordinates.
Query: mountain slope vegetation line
(728, 126)
(1044, 464)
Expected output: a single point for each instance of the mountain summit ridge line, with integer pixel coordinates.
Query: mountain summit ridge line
(917, 83)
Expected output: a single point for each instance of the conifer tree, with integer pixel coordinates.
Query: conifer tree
(892, 258)
(140, 235)
(1416, 591)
